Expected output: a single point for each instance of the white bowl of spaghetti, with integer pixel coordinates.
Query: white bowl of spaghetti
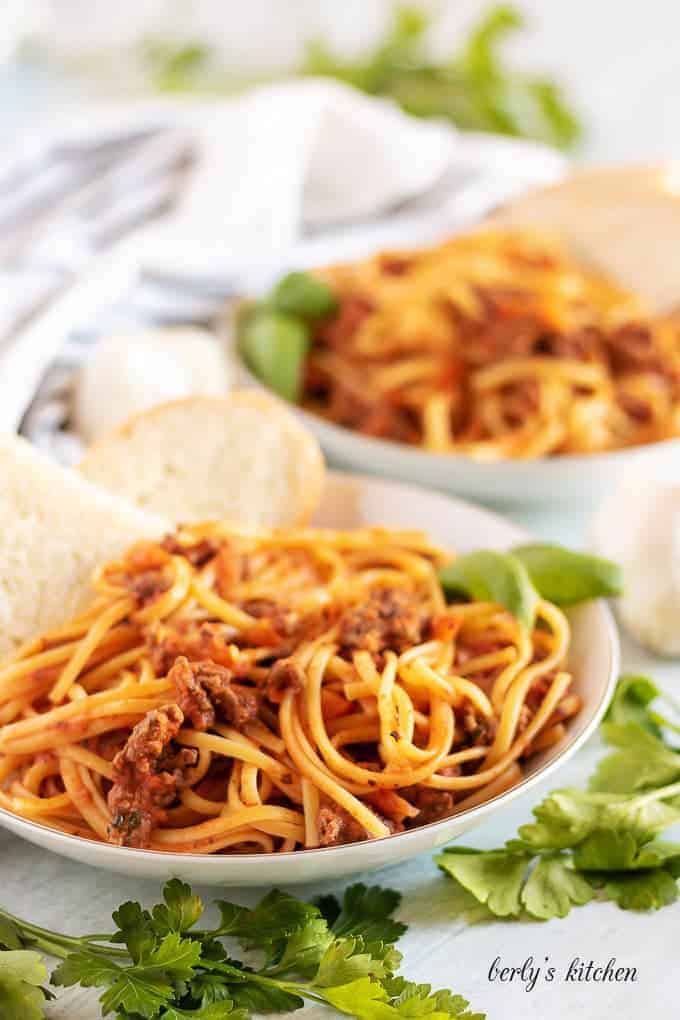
(492, 364)
(387, 704)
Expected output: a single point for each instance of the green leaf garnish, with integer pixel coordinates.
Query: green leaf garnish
(646, 890)
(22, 973)
(581, 845)
(171, 970)
(642, 760)
(303, 296)
(10, 936)
(493, 877)
(274, 346)
(166, 974)
(473, 87)
(366, 912)
(565, 577)
(489, 576)
(554, 887)
(273, 334)
(631, 700)
(180, 911)
(145, 987)
(222, 1010)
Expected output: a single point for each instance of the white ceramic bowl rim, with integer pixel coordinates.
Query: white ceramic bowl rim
(341, 853)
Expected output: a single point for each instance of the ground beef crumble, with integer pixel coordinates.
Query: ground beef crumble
(147, 773)
(195, 640)
(476, 731)
(197, 553)
(390, 619)
(205, 689)
(284, 674)
(432, 804)
(146, 586)
(336, 826)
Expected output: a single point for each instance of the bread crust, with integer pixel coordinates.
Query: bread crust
(308, 452)
(57, 527)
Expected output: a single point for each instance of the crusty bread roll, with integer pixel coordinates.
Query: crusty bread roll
(242, 458)
(55, 529)
(624, 220)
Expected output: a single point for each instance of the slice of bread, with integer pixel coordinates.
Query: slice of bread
(624, 220)
(242, 458)
(55, 529)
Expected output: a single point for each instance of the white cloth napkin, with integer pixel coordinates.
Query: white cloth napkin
(292, 174)
(306, 156)
(309, 153)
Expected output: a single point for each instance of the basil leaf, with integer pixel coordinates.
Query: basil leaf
(630, 703)
(565, 577)
(303, 295)
(488, 576)
(274, 346)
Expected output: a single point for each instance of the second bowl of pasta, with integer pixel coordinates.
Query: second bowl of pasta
(493, 364)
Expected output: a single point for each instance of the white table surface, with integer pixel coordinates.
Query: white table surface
(439, 948)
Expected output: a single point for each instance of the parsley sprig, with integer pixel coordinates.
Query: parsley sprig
(159, 965)
(601, 843)
(475, 87)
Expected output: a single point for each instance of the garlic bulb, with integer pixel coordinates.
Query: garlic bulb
(131, 372)
(639, 528)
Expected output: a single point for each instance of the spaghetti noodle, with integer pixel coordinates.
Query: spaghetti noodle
(230, 691)
(493, 345)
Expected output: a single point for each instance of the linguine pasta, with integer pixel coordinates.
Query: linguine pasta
(229, 691)
(493, 345)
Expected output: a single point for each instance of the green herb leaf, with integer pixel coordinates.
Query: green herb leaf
(643, 761)
(207, 988)
(212, 1011)
(22, 972)
(248, 990)
(304, 950)
(565, 577)
(366, 912)
(135, 929)
(266, 998)
(474, 88)
(488, 576)
(269, 925)
(176, 67)
(274, 346)
(303, 296)
(345, 961)
(85, 969)
(605, 850)
(630, 702)
(126, 988)
(180, 911)
(10, 937)
(143, 988)
(567, 817)
(137, 994)
(494, 877)
(553, 888)
(418, 1000)
(643, 890)
(369, 1000)
(174, 956)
